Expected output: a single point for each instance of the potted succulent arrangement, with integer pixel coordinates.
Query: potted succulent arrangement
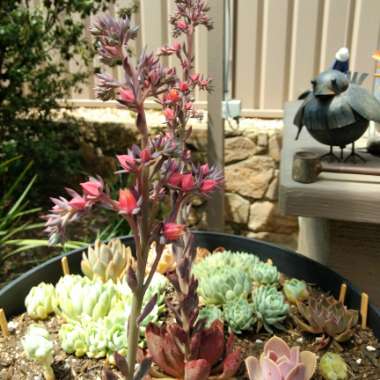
(167, 303)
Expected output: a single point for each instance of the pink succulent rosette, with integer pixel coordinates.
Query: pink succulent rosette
(280, 362)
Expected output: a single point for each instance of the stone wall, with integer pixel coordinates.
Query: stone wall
(252, 155)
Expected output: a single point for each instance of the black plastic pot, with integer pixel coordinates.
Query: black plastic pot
(292, 264)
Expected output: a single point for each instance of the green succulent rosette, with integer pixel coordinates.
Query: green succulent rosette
(265, 274)
(224, 285)
(41, 301)
(210, 313)
(242, 261)
(295, 290)
(269, 307)
(73, 339)
(239, 315)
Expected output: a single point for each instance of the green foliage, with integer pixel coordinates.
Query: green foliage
(239, 315)
(333, 367)
(242, 261)
(295, 290)
(36, 43)
(211, 313)
(224, 285)
(265, 274)
(269, 307)
(41, 301)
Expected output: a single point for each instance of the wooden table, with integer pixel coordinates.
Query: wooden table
(339, 215)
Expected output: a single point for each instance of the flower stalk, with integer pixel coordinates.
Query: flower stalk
(160, 170)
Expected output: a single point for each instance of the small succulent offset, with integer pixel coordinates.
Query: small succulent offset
(224, 285)
(73, 339)
(333, 367)
(280, 362)
(210, 313)
(325, 315)
(41, 301)
(239, 315)
(269, 307)
(107, 261)
(39, 347)
(265, 274)
(295, 290)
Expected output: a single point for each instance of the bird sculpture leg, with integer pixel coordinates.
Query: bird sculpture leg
(330, 156)
(353, 156)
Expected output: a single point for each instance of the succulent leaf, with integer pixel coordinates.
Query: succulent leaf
(333, 367)
(37, 345)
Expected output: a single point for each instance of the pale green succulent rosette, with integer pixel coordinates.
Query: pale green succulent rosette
(295, 290)
(224, 285)
(97, 340)
(73, 339)
(269, 307)
(239, 315)
(333, 367)
(41, 301)
(38, 346)
(210, 314)
(116, 328)
(265, 274)
(226, 259)
(80, 298)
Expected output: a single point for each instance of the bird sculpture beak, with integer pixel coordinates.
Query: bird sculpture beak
(323, 91)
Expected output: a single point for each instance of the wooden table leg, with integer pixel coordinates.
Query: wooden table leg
(314, 238)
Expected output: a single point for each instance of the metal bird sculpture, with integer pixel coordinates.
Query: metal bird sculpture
(337, 112)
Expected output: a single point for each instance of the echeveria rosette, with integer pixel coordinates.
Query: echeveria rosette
(226, 259)
(280, 362)
(107, 261)
(73, 338)
(325, 315)
(38, 346)
(80, 298)
(208, 350)
(269, 307)
(224, 285)
(210, 313)
(265, 274)
(41, 301)
(97, 340)
(295, 290)
(239, 315)
(333, 367)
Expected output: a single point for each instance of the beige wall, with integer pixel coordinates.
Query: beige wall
(279, 45)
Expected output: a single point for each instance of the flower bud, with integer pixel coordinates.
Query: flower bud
(92, 188)
(208, 185)
(127, 96)
(169, 114)
(187, 182)
(181, 24)
(173, 231)
(127, 162)
(127, 202)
